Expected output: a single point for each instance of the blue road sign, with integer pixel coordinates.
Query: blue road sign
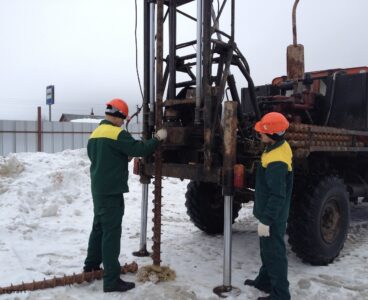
(50, 95)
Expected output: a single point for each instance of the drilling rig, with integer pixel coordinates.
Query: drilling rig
(191, 91)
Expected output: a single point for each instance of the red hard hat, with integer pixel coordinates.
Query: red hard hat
(271, 123)
(120, 108)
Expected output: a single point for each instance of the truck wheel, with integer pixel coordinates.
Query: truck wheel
(205, 206)
(319, 221)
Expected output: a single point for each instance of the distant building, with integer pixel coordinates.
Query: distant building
(135, 125)
(70, 117)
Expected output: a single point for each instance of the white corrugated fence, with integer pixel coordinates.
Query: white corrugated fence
(46, 136)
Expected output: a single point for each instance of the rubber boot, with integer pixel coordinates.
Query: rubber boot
(122, 286)
(252, 283)
(264, 298)
(87, 269)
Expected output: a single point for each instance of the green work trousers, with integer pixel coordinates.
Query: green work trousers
(104, 240)
(273, 273)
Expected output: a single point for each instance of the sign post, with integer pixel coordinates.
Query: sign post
(50, 98)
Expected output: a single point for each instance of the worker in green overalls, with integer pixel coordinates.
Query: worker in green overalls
(108, 148)
(274, 181)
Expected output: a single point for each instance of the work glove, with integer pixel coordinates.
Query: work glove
(161, 134)
(263, 230)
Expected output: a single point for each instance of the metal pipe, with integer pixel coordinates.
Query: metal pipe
(186, 44)
(152, 69)
(39, 129)
(147, 96)
(199, 62)
(146, 60)
(186, 15)
(172, 49)
(221, 10)
(144, 209)
(228, 216)
(207, 83)
(332, 97)
(217, 27)
(295, 40)
(232, 21)
(215, 23)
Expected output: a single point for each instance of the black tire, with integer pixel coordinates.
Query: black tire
(319, 221)
(205, 206)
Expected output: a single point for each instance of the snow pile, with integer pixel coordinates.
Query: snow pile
(46, 216)
(10, 165)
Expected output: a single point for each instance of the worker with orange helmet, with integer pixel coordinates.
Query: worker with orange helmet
(109, 147)
(274, 181)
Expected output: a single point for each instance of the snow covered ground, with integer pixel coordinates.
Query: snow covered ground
(45, 220)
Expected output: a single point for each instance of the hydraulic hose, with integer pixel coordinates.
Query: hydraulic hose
(252, 92)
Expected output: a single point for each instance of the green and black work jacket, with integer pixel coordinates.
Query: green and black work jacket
(108, 149)
(274, 183)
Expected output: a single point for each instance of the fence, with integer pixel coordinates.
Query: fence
(32, 136)
(46, 136)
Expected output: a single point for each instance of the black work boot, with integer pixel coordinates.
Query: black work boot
(122, 286)
(264, 298)
(252, 283)
(87, 269)
(249, 282)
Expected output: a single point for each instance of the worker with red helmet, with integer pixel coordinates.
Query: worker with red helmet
(274, 181)
(109, 147)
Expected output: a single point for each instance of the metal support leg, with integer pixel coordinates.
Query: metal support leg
(228, 212)
(227, 290)
(230, 125)
(143, 240)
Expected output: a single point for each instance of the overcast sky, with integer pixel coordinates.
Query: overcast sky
(86, 47)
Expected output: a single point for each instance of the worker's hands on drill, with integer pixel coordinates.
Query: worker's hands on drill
(263, 230)
(161, 134)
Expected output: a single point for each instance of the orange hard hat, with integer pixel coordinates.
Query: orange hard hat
(272, 123)
(117, 108)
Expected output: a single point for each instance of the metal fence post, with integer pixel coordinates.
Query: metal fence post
(39, 129)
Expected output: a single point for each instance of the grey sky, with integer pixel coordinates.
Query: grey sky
(86, 47)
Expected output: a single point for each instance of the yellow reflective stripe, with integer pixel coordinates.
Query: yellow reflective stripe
(282, 153)
(106, 131)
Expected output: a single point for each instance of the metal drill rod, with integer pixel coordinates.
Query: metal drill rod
(143, 237)
(199, 62)
(152, 65)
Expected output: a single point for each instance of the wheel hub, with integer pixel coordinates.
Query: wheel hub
(331, 217)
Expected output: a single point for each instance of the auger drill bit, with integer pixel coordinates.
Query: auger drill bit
(156, 255)
(65, 280)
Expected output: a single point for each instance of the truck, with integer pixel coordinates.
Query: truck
(210, 121)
